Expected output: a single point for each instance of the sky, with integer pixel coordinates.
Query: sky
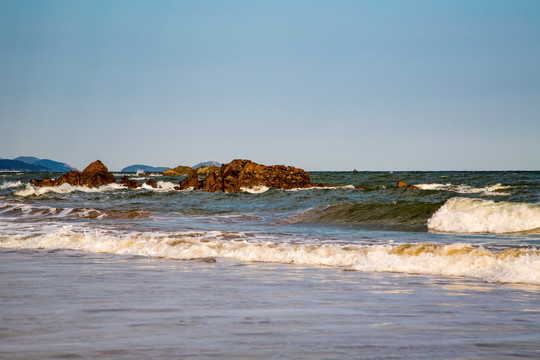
(320, 85)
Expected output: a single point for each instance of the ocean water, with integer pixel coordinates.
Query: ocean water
(358, 269)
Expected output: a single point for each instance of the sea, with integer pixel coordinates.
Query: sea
(357, 269)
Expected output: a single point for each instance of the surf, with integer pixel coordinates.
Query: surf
(466, 215)
(507, 265)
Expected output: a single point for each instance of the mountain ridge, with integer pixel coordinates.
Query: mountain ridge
(145, 168)
(34, 164)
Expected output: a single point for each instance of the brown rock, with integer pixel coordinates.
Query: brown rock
(191, 181)
(152, 183)
(401, 183)
(205, 170)
(240, 174)
(129, 183)
(95, 175)
(179, 170)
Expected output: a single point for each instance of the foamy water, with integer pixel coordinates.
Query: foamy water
(513, 265)
(464, 215)
(489, 190)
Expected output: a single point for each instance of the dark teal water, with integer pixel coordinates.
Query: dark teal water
(491, 210)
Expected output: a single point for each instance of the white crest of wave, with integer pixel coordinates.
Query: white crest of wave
(464, 215)
(509, 266)
(10, 184)
(64, 189)
(490, 190)
(162, 186)
(259, 189)
(15, 212)
(344, 187)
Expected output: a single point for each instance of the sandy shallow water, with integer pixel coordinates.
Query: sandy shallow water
(67, 304)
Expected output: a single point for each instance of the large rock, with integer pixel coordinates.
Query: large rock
(95, 175)
(191, 181)
(241, 174)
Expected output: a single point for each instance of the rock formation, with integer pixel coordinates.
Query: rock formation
(152, 183)
(404, 184)
(179, 170)
(240, 174)
(205, 170)
(95, 175)
(130, 184)
(190, 182)
(134, 184)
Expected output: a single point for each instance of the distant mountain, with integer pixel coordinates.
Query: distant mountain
(15, 165)
(27, 159)
(54, 166)
(40, 165)
(145, 168)
(207, 163)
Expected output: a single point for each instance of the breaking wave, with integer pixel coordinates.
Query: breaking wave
(490, 190)
(464, 215)
(10, 184)
(64, 189)
(511, 265)
(30, 190)
(405, 215)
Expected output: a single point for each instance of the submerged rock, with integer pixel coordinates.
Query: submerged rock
(241, 174)
(401, 183)
(152, 183)
(129, 183)
(95, 175)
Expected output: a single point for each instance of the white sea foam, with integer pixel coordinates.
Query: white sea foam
(256, 189)
(490, 190)
(515, 265)
(10, 184)
(162, 186)
(26, 211)
(64, 189)
(464, 215)
(345, 187)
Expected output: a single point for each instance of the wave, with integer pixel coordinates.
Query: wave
(64, 189)
(511, 265)
(162, 186)
(29, 190)
(10, 184)
(490, 190)
(464, 215)
(405, 215)
(23, 212)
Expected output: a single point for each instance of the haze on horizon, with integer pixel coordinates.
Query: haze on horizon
(321, 85)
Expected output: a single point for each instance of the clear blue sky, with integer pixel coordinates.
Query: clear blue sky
(321, 85)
